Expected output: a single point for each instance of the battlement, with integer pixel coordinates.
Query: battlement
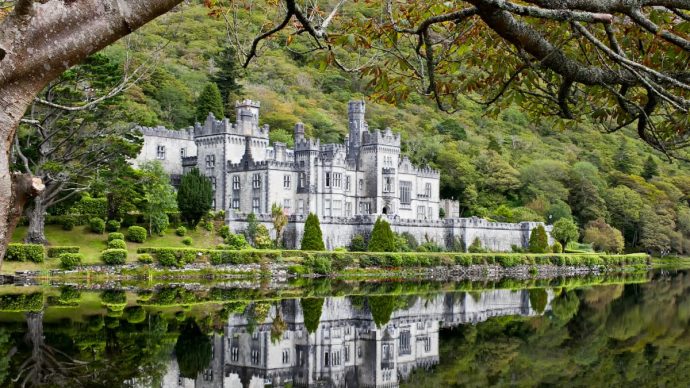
(378, 137)
(248, 103)
(425, 171)
(161, 131)
(307, 144)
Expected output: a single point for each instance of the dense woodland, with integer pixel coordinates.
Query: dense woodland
(500, 164)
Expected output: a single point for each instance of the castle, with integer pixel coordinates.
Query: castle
(348, 348)
(348, 186)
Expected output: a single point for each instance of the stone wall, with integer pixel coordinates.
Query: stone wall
(338, 231)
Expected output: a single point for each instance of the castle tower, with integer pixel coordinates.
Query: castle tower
(356, 126)
(247, 117)
(299, 132)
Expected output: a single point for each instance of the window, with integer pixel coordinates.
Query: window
(210, 161)
(236, 203)
(326, 359)
(183, 152)
(256, 354)
(300, 206)
(327, 207)
(256, 205)
(337, 208)
(347, 353)
(328, 179)
(234, 353)
(302, 179)
(347, 183)
(427, 344)
(404, 345)
(213, 203)
(364, 208)
(213, 183)
(208, 374)
(428, 212)
(286, 205)
(286, 356)
(388, 184)
(256, 181)
(337, 179)
(420, 212)
(348, 209)
(160, 152)
(359, 352)
(427, 190)
(361, 184)
(286, 181)
(236, 182)
(405, 193)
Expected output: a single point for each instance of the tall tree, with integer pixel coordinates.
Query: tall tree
(312, 239)
(227, 75)
(194, 197)
(624, 159)
(538, 240)
(650, 169)
(565, 230)
(382, 238)
(66, 149)
(209, 102)
(159, 197)
(38, 42)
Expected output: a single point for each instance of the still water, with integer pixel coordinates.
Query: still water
(595, 331)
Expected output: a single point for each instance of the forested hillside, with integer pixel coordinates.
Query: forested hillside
(509, 168)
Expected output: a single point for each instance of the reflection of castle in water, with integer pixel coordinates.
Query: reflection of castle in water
(347, 349)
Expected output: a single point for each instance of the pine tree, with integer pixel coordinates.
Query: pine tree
(312, 240)
(227, 74)
(382, 238)
(538, 240)
(194, 197)
(650, 169)
(209, 101)
(624, 159)
(493, 144)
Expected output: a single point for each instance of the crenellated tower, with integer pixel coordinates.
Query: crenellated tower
(356, 126)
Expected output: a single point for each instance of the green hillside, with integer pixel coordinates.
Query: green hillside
(508, 168)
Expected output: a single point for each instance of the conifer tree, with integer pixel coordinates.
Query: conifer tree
(227, 75)
(624, 159)
(650, 169)
(538, 240)
(382, 238)
(194, 197)
(312, 240)
(209, 101)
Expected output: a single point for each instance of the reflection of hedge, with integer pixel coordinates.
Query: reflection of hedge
(25, 252)
(114, 300)
(57, 251)
(135, 314)
(312, 312)
(21, 302)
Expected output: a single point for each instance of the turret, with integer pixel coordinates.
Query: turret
(247, 117)
(356, 125)
(299, 132)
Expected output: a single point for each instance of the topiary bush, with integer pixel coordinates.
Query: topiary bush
(57, 251)
(312, 240)
(135, 314)
(136, 234)
(187, 241)
(557, 247)
(237, 241)
(97, 225)
(117, 244)
(145, 258)
(70, 261)
(115, 236)
(224, 231)
(25, 252)
(538, 240)
(181, 231)
(114, 256)
(382, 238)
(358, 244)
(112, 226)
(68, 223)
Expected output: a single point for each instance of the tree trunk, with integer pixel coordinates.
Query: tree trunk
(37, 222)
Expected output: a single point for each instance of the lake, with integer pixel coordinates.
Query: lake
(623, 330)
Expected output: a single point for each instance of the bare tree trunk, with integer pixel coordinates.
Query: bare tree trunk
(37, 221)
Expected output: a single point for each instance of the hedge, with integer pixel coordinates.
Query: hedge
(21, 302)
(57, 250)
(25, 252)
(112, 226)
(117, 244)
(70, 261)
(97, 225)
(136, 234)
(114, 256)
(115, 236)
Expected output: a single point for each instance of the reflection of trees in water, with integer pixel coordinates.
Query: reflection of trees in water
(636, 334)
(46, 364)
(192, 349)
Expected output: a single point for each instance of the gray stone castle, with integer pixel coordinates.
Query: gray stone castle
(348, 186)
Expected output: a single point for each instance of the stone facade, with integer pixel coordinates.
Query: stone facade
(347, 349)
(346, 185)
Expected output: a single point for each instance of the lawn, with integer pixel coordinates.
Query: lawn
(91, 244)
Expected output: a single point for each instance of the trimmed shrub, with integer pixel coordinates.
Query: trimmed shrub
(476, 246)
(114, 256)
(145, 258)
(382, 238)
(135, 314)
(70, 261)
(236, 241)
(312, 240)
(68, 223)
(112, 226)
(187, 241)
(320, 264)
(557, 247)
(538, 240)
(224, 231)
(117, 244)
(136, 234)
(115, 236)
(97, 225)
(181, 231)
(25, 252)
(57, 251)
(358, 244)
(21, 302)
